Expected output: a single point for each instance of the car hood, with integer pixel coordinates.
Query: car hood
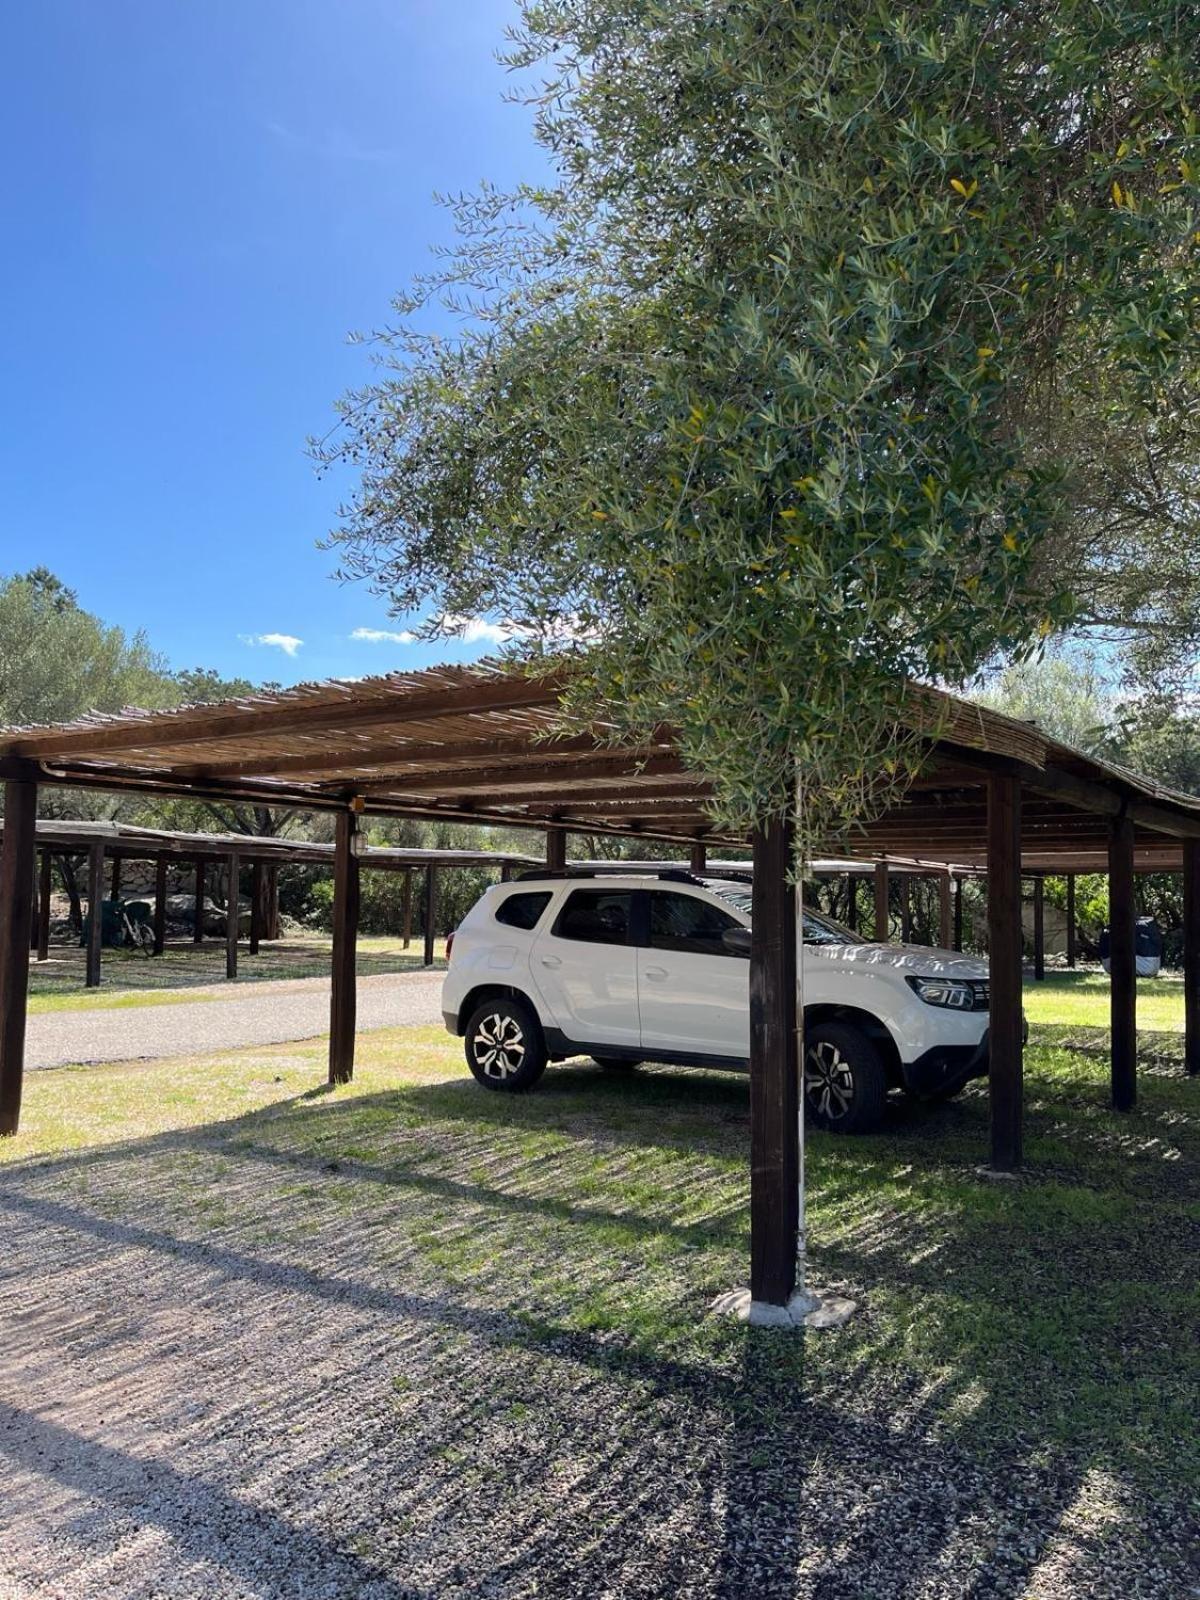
(923, 961)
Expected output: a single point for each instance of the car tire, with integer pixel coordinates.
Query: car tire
(504, 1045)
(615, 1063)
(845, 1086)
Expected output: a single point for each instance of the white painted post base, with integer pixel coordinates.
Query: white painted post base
(803, 1310)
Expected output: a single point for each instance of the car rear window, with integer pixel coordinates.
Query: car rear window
(522, 910)
(596, 916)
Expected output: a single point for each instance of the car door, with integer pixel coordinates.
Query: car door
(585, 968)
(693, 993)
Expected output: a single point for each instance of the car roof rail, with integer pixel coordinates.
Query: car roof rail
(623, 869)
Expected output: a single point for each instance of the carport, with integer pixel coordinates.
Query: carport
(109, 844)
(482, 745)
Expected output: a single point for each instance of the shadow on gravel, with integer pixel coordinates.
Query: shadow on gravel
(420, 1261)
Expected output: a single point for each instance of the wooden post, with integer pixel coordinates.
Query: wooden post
(774, 1070)
(17, 861)
(408, 907)
(1071, 935)
(945, 912)
(1123, 962)
(698, 858)
(430, 909)
(1039, 927)
(95, 913)
(45, 885)
(35, 902)
(114, 880)
(1191, 955)
(256, 905)
(343, 999)
(958, 913)
(505, 872)
(556, 850)
(1005, 1024)
(198, 906)
(905, 909)
(270, 927)
(883, 918)
(160, 905)
(852, 902)
(231, 917)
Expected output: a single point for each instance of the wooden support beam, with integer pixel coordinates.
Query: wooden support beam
(945, 912)
(1005, 1025)
(114, 879)
(430, 910)
(774, 1070)
(325, 763)
(95, 914)
(1191, 956)
(17, 864)
(408, 907)
(1123, 964)
(1039, 928)
(905, 909)
(556, 849)
(958, 913)
(234, 868)
(45, 887)
(883, 915)
(1072, 934)
(198, 906)
(852, 902)
(256, 901)
(698, 858)
(160, 905)
(575, 777)
(343, 997)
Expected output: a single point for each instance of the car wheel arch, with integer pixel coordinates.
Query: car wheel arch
(490, 991)
(870, 1025)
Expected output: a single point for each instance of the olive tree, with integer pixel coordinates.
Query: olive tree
(752, 411)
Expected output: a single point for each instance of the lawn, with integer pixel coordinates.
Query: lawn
(1023, 1373)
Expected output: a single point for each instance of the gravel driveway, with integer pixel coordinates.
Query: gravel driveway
(265, 1013)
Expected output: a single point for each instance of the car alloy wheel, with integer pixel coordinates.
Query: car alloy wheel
(498, 1044)
(828, 1080)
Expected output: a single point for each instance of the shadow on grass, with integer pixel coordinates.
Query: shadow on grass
(586, 1226)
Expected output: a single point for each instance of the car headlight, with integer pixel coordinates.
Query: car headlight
(956, 993)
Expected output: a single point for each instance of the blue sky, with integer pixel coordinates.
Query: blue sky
(203, 199)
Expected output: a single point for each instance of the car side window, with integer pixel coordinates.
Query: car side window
(685, 922)
(595, 916)
(522, 910)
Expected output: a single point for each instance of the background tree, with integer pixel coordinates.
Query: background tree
(756, 405)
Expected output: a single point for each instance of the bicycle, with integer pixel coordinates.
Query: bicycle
(140, 935)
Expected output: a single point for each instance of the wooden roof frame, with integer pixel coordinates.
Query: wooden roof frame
(486, 744)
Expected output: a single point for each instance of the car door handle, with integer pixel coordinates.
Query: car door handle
(551, 961)
(657, 973)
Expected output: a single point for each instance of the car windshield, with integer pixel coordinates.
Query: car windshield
(818, 928)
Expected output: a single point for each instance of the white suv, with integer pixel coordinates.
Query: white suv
(636, 968)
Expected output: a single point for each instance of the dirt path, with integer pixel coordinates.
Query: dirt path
(265, 1013)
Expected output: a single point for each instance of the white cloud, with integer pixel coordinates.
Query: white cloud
(478, 630)
(287, 642)
(384, 636)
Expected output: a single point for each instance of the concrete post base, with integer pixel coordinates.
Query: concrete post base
(803, 1310)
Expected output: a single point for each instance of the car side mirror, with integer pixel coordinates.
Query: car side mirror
(737, 941)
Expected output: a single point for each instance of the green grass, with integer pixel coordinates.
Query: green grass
(1054, 1316)
(110, 1000)
(1080, 999)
